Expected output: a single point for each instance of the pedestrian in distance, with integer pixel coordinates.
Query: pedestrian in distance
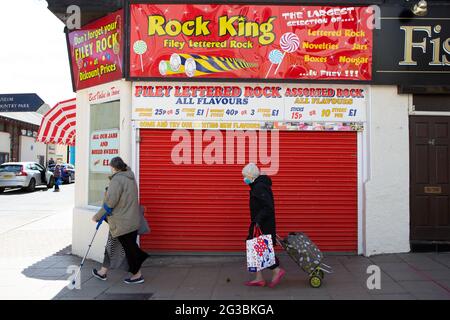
(124, 219)
(262, 215)
(57, 176)
(51, 162)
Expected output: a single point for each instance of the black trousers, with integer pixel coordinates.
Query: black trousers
(276, 265)
(135, 256)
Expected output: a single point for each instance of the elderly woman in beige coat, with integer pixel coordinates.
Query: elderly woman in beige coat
(123, 216)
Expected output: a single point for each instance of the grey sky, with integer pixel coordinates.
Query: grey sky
(33, 54)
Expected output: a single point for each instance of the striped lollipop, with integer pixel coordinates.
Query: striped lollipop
(140, 47)
(275, 57)
(289, 42)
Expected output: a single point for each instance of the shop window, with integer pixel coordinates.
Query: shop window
(104, 119)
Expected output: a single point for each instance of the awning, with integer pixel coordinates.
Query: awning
(58, 124)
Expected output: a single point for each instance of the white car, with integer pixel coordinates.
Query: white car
(26, 175)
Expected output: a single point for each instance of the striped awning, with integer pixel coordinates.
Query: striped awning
(58, 124)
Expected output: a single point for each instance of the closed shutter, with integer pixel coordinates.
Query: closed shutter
(204, 208)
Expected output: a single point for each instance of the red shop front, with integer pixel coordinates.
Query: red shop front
(183, 56)
(204, 208)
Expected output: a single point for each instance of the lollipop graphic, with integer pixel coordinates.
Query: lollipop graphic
(140, 47)
(289, 43)
(275, 57)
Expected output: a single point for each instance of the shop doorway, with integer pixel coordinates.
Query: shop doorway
(429, 183)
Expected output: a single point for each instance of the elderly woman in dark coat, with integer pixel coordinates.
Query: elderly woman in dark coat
(124, 219)
(262, 212)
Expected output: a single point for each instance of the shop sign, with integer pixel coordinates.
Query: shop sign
(105, 94)
(104, 145)
(412, 50)
(248, 125)
(250, 42)
(96, 52)
(229, 106)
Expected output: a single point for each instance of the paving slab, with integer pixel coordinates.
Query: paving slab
(425, 290)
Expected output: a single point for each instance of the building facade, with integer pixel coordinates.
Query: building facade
(192, 94)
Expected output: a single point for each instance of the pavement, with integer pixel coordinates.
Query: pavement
(33, 228)
(411, 276)
(35, 252)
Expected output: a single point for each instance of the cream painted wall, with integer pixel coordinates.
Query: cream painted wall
(386, 191)
(83, 227)
(59, 153)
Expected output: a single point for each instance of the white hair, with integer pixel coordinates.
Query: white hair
(251, 170)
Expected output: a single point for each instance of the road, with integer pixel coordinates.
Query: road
(34, 229)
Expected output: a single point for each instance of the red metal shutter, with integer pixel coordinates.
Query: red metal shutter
(204, 208)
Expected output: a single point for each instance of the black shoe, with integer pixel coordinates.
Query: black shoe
(98, 276)
(134, 281)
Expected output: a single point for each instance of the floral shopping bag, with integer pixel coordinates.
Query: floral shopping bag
(260, 253)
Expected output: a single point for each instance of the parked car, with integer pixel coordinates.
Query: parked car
(67, 172)
(26, 175)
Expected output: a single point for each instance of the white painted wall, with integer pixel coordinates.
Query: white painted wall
(5, 142)
(83, 227)
(30, 149)
(386, 190)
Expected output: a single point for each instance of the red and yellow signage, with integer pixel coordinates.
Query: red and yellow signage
(96, 51)
(250, 42)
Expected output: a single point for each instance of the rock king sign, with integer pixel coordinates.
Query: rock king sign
(250, 42)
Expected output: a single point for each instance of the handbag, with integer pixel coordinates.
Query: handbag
(144, 227)
(260, 253)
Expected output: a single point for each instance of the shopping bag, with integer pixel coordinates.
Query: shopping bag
(144, 227)
(260, 253)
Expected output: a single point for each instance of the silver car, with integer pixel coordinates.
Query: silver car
(26, 175)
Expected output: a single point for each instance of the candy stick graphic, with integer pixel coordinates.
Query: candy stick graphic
(190, 67)
(116, 47)
(275, 57)
(165, 68)
(140, 47)
(196, 65)
(175, 62)
(289, 42)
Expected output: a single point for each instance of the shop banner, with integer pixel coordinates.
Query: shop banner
(104, 146)
(250, 42)
(224, 106)
(96, 51)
